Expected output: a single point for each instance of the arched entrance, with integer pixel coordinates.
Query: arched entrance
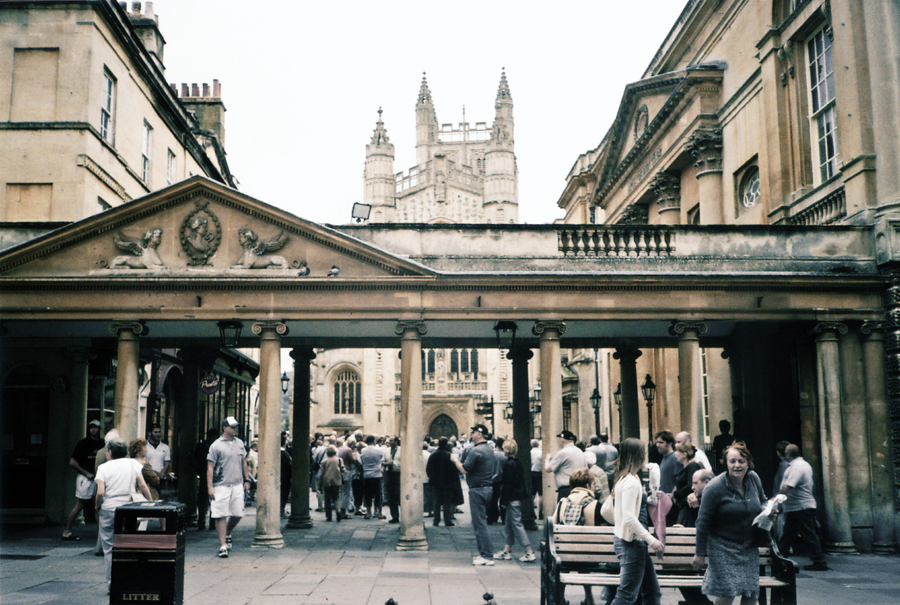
(442, 426)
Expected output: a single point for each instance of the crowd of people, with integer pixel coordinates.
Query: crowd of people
(355, 475)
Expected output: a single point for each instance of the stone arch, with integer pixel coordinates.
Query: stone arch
(456, 410)
(443, 426)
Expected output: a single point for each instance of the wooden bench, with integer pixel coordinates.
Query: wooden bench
(583, 556)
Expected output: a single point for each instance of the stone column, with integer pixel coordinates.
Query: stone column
(690, 377)
(856, 440)
(268, 486)
(412, 467)
(549, 333)
(127, 364)
(630, 414)
(522, 429)
(705, 146)
(186, 413)
(300, 518)
(839, 537)
(667, 188)
(879, 436)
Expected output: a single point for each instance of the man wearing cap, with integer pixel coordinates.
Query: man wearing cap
(479, 467)
(82, 460)
(565, 462)
(227, 476)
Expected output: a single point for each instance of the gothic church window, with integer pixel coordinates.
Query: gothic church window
(823, 114)
(347, 393)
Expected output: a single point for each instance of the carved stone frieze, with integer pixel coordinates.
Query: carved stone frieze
(705, 146)
(201, 235)
(255, 254)
(141, 251)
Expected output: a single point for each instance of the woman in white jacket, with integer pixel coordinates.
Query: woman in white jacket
(637, 575)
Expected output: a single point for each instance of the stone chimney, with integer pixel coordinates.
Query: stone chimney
(207, 106)
(146, 26)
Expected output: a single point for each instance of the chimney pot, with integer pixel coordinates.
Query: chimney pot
(148, 10)
(185, 92)
(174, 87)
(205, 90)
(136, 8)
(195, 90)
(217, 89)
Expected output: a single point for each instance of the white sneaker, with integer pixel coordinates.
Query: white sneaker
(503, 554)
(223, 552)
(529, 556)
(479, 560)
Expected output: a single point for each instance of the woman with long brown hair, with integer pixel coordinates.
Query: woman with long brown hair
(636, 575)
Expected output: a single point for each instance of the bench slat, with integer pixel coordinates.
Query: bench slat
(590, 579)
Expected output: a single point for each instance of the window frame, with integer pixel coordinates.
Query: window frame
(146, 151)
(171, 167)
(108, 107)
(822, 105)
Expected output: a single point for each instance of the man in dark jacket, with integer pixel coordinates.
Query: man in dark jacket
(442, 474)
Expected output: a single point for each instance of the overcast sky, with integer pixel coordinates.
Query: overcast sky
(302, 83)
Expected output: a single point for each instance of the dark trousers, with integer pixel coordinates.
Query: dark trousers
(493, 513)
(442, 498)
(372, 494)
(563, 492)
(801, 524)
(332, 500)
(357, 493)
(392, 489)
(203, 504)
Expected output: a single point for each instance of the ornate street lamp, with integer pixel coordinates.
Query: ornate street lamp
(508, 411)
(285, 382)
(230, 331)
(506, 334)
(648, 389)
(595, 403)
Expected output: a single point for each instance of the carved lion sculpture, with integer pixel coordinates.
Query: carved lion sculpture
(254, 255)
(141, 252)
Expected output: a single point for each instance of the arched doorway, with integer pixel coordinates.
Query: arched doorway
(442, 426)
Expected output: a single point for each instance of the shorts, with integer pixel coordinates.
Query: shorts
(84, 488)
(228, 502)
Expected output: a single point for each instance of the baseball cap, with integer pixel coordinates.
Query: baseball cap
(482, 429)
(94, 423)
(568, 436)
(230, 421)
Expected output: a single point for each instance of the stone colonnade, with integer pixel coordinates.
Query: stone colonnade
(852, 415)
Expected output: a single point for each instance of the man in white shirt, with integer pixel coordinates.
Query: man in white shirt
(158, 453)
(537, 481)
(700, 456)
(565, 462)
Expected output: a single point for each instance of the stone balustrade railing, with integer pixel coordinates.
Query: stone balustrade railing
(618, 241)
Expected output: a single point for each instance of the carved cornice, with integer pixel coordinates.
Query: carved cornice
(705, 146)
(403, 327)
(279, 327)
(125, 326)
(667, 188)
(107, 179)
(548, 330)
(684, 328)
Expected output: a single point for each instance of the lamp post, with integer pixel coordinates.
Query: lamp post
(595, 403)
(506, 333)
(648, 389)
(230, 331)
(617, 398)
(285, 382)
(508, 412)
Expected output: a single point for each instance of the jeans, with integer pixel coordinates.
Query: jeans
(513, 524)
(636, 574)
(346, 478)
(479, 500)
(802, 524)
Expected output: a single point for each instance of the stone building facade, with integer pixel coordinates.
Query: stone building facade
(778, 113)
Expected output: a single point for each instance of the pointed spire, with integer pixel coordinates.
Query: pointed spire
(424, 92)
(379, 135)
(503, 93)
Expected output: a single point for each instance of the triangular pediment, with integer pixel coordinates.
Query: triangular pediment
(200, 229)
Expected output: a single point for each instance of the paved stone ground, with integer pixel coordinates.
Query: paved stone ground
(355, 563)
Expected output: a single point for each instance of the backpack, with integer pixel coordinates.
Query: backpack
(568, 513)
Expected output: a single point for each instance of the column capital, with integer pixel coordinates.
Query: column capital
(626, 354)
(667, 188)
(705, 146)
(873, 329)
(120, 328)
(829, 330)
(549, 330)
(520, 354)
(279, 327)
(302, 354)
(404, 327)
(685, 329)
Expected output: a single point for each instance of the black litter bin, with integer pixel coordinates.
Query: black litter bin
(148, 554)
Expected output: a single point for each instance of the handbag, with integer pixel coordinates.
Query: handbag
(608, 510)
